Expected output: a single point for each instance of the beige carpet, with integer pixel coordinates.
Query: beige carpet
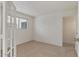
(38, 49)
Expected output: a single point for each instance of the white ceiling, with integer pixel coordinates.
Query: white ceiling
(36, 8)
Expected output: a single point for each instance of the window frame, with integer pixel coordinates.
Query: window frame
(18, 23)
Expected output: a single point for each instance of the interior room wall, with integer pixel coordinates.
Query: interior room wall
(77, 33)
(48, 29)
(0, 24)
(22, 36)
(78, 22)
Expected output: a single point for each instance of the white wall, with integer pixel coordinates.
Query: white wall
(48, 29)
(22, 36)
(78, 22)
(77, 33)
(0, 25)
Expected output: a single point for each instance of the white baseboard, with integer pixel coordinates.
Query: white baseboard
(23, 42)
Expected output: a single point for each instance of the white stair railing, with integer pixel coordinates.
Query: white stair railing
(8, 47)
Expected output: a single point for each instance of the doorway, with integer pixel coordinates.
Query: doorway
(69, 30)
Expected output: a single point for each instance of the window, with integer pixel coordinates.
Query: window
(21, 23)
